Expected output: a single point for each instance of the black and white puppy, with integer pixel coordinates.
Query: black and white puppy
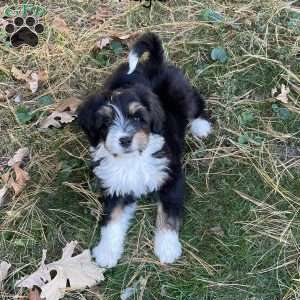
(136, 127)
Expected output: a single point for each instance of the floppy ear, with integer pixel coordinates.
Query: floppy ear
(89, 118)
(151, 101)
(157, 114)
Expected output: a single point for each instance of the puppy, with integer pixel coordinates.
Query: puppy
(136, 127)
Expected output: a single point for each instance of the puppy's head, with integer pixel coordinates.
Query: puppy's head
(122, 120)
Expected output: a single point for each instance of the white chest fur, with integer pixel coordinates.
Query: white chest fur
(133, 173)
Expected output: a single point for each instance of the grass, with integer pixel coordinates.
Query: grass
(241, 227)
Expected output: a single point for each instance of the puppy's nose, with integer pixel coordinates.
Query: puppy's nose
(125, 141)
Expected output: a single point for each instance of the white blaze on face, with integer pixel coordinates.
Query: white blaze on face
(115, 132)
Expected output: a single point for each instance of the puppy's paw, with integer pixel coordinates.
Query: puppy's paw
(200, 128)
(167, 246)
(106, 256)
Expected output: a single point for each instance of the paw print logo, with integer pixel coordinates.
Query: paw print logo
(24, 31)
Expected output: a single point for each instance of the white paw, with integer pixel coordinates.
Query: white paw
(106, 256)
(167, 246)
(200, 128)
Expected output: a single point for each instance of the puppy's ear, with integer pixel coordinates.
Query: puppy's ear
(157, 114)
(89, 118)
(151, 101)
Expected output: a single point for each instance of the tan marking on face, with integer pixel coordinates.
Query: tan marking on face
(105, 110)
(134, 107)
(116, 214)
(141, 139)
(163, 222)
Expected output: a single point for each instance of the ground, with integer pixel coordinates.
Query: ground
(240, 233)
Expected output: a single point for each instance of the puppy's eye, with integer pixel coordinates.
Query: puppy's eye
(136, 118)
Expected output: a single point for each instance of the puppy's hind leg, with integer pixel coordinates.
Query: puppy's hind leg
(118, 213)
(200, 125)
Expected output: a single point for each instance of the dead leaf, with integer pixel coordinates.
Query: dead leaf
(65, 113)
(18, 74)
(79, 271)
(32, 78)
(35, 78)
(103, 42)
(20, 181)
(60, 25)
(56, 119)
(9, 93)
(71, 104)
(16, 178)
(127, 40)
(283, 95)
(19, 156)
(2, 97)
(3, 192)
(4, 267)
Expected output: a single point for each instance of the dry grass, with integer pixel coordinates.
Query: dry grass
(241, 232)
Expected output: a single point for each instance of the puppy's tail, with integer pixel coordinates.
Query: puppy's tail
(148, 42)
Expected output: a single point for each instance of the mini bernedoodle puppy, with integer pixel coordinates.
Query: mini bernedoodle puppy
(136, 127)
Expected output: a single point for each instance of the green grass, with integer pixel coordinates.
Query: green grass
(241, 225)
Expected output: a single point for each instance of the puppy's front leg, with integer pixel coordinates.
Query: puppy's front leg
(118, 212)
(166, 241)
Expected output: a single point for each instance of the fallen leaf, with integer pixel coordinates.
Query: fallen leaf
(126, 40)
(19, 156)
(33, 82)
(283, 95)
(35, 78)
(16, 178)
(2, 97)
(4, 267)
(65, 113)
(20, 181)
(79, 271)
(7, 94)
(32, 78)
(18, 74)
(103, 42)
(10, 93)
(3, 192)
(60, 25)
(71, 104)
(56, 119)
